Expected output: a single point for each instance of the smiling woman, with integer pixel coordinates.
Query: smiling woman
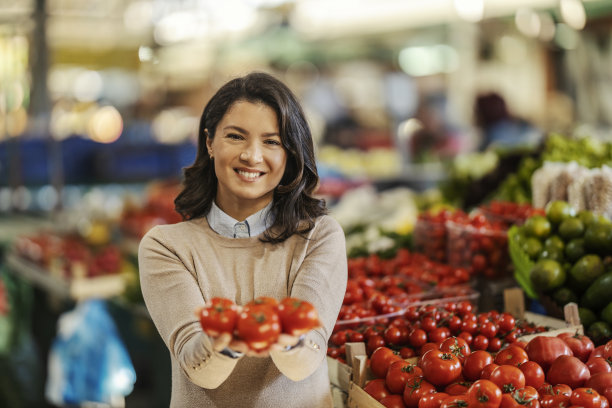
(252, 229)
(249, 158)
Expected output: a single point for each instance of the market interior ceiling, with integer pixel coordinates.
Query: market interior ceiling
(185, 36)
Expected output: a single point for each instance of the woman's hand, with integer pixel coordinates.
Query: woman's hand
(285, 342)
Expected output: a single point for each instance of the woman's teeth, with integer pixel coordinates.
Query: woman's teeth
(248, 174)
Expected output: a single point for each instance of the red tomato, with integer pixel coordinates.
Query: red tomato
(440, 368)
(381, 359)
(508, 378)
(480, 342)
(524, 397)
(511, 355)
(263, 300)
(297, 316)
(416, 387)
(377, 389)
(599, 382)
(439, 334)
(393, 401)
(544, 350)
(428, 346)
(534, 375)
(398, 374)
(484, 394)
(354, 336)
(581, 345)
(219, 318)
(561, 389)
(586, 398)
(599, 365)
(486, 372)
(219, 301)
(568, 370)
(456, 346)
(392, 336)
(555, 401)
(374, 342)
(259, 326)
(432, 400)
(495, 344)
(457, 388)
(474, 363)
(454, 401)
(506, 322)
(488, 329)
(407, 352)
(417, 338)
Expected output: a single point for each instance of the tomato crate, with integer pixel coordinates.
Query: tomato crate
(341, 374)
(483, 250)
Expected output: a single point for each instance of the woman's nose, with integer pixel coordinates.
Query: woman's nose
(251, 154)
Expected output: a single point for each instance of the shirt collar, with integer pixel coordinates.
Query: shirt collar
(223, 224)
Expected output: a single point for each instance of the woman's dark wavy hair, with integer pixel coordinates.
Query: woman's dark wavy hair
(294, 207)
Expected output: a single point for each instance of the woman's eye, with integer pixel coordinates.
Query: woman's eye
(273, 142)
(234, 136)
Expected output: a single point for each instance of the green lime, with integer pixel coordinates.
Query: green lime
(586, 270)
(552, 253)
(587, 217)
(587, 316)
(574, 249)
(554, 241)
(532, 247)
(537, 226)
(599, 332)
(571, 228)
(547, 274)
(564, 295)
(598, 238)
(606, 313)
(557, 211)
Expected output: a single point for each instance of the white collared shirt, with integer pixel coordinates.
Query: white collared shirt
(227, 226)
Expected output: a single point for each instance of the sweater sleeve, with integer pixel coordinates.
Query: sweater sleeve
(172, 294)
(320, 280)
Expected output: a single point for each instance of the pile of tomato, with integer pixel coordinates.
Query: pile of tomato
(260, 322)
(429, 235)
(480, 245)
(548, 372)
(508, 212)
(412, 331)
(381, 286)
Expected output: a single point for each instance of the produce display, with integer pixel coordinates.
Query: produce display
(412, 331)
(547, 371)
(260, 323)
(565, 256)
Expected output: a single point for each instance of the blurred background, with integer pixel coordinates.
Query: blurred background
(100, 101)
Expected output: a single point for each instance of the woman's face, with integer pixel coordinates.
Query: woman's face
(249, 158)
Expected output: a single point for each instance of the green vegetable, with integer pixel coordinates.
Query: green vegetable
(598, 294)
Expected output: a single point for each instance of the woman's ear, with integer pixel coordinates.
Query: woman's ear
(208, 143)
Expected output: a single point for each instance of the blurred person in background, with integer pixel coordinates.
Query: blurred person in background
(251, 228)
(500, 129)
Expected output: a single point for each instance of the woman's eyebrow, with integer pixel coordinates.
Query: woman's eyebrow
(241, 130)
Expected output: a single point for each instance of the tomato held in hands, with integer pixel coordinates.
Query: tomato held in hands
(263, 300)
(220, 317)
(259, 326)
(297, 316)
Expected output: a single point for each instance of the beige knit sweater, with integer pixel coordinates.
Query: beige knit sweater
(186, 264)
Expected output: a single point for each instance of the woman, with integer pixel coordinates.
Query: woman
(252, 228)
